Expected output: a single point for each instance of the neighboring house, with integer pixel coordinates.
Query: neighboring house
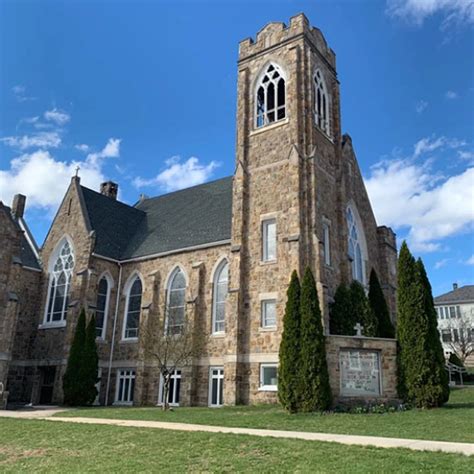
(221, 253)
(455, 311)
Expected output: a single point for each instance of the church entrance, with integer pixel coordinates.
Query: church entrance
(48, 374)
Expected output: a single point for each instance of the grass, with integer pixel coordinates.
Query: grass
(46, 446)
(453, 422)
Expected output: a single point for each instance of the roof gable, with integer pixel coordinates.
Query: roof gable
(462, 294)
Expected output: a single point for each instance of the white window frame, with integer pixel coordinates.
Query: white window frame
(176, 375)
(266, 223)
(220, 383)
(327, 242)
(358, 243)
(224, 263)
(267, 388)
(128, 289)
(125, 374)
(110, 285)
(277, 107)
(322, 120)
(264, 303)
(171, 278)
(54, 275)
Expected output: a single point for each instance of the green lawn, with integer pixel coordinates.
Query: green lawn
(453, 422)
(46, 446)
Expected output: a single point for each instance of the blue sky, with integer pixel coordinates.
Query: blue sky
(144, 93)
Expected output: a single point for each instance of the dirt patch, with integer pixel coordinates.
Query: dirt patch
(9, 455)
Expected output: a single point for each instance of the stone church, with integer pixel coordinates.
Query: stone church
(220, 253)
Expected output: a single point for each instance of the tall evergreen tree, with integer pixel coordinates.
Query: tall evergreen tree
(361, 312)
(340, 315)
(416, 357)
(379, 307)
(72, 384)
(90, 365)
(314, 378)
(439, 377)
(288, 371)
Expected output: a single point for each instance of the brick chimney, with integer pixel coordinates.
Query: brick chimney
(18, 206)
(455, 286)
(109, 189)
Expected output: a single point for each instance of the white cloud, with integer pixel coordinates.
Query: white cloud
(110, 150)
(19, 92)
(43, 179)
(407, 194)
(466, 155)
(451, 95)
(454, 12)
(82, 147)
(470, 260)
(179, 175)
(38, 140)
(430, 144)
(59, 117)
(421, 106)
(441, 263)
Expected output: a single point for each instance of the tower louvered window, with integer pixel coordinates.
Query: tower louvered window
(271, 97)
(321, 103)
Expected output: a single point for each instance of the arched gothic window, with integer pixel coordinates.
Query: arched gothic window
(321, 103)
(62, 264)
(133, 308)
(355, 249)
(102, 306)
(176, 303)
(270, 100)
(221, 279)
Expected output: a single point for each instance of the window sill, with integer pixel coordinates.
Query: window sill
(218, 335)
(100, 340)
(123, 404)
(129, 340)
(268, 388)
(324, 134)
(56, 325)
(268, 262)
(267, 329)
(270, 126)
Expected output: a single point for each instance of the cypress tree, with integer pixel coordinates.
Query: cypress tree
(379, 307)
(314, 378)
(340, 314)
(72, 383)
(361, 311)
(90, 361)
(439, 378)
(289, 355)
(419, 380)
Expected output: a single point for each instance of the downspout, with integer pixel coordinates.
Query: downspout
(109, 373)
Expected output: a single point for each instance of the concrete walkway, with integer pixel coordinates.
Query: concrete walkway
(380, 442)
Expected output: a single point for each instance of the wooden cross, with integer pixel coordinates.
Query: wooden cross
(358, 329)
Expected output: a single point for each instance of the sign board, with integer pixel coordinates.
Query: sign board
(360, 373)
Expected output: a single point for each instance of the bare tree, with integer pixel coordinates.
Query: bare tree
(462, 337)
(172, 343)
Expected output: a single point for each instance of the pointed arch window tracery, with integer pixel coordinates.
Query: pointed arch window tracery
(321, 103)
(270, 97)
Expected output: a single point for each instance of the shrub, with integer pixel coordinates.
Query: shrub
(314, 378)
(288, 371)
(340, 315)
(379, 307)
(361, 310)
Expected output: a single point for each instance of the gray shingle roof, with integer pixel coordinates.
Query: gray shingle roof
(28, 257)
(462, 294)
(179, 220)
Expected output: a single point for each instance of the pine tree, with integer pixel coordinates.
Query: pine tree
(361, 312)
(340, 315)
(314, 378)
(72, 383)
(379, 307)
(419, 378)
(288, 371)
(89, 369)
(439, 380)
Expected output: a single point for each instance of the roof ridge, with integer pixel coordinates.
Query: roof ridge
(186, 189)
(121, 203)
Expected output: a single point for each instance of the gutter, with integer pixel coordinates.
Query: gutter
(112, 345)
